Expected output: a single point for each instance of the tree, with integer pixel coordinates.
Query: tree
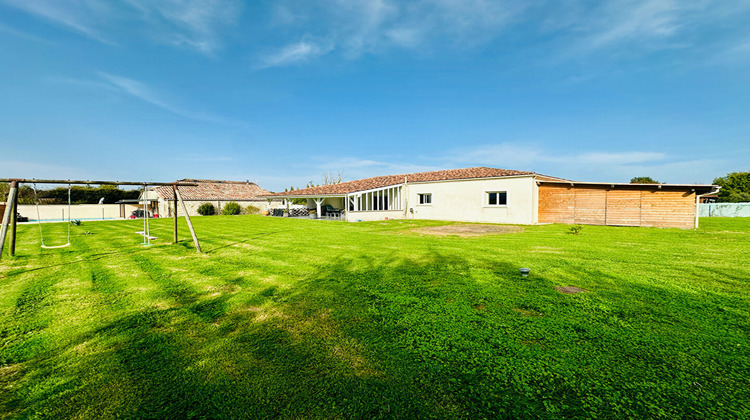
(644, 180)
(735, 187)
(4, 189)
(329, 178)
(25, 194)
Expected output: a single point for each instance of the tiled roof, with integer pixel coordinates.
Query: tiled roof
(214, 190)
(388, 180)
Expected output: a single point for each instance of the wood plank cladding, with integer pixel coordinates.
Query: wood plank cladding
(591, 206)
(622, 206)
(557, 203)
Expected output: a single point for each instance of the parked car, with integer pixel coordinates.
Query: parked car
(20, 218)
(138, 214)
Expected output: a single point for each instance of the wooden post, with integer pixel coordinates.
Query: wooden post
(187, 219)
(8, 210)
(174, 202)
(13, 222)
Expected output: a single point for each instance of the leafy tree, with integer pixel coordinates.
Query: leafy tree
(87, 194)
(735, 187)
(25, 195)
(644, 180)
(4, 189)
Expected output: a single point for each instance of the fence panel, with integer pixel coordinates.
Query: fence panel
(724, 209)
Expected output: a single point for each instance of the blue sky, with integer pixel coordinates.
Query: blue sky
(280, 92)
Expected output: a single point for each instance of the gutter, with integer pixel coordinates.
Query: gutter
(698, 201)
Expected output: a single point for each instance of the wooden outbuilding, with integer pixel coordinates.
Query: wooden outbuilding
(593, 203)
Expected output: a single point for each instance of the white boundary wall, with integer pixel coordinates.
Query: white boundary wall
(165, 207)
(77, 211)
(724, 210)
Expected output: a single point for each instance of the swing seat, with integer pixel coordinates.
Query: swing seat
(146, 236)
(56, 246)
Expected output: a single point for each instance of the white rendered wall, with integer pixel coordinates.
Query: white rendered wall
(370, 216)
(165, 207)
(466, 201)
(77, 211)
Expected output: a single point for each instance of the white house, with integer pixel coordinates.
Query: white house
(492, 195)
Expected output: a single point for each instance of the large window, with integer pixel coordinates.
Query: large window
(425, 198)
(381, 199)
(496, 198)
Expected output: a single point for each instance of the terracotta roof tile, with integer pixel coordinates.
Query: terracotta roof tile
(388, 180)
(214, 190)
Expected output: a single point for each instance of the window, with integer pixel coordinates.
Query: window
(388, 198)
(497, 198)
(425, 198)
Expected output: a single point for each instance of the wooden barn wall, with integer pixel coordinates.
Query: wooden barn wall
(624, 207)
(599, 205)
(557, 204)
(668, 209)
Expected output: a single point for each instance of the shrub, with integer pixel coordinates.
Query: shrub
(252, 209)
(231, 209)
(206, 209)
(575, 229)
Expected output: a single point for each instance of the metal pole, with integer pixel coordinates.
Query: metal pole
(6, 218)
(68, 181)
(187, 219)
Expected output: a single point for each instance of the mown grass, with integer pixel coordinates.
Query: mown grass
(288, 318)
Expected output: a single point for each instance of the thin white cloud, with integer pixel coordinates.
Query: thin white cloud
(203, 158)
(294, 53)
(610, 158)
(358, 27)
(21, 34)
(627, 21)
(524, 154)
(604, 166)
(141, 91)
(148, 94)
(119, 86)
(77, 16)
(190, 24)
(639, 25)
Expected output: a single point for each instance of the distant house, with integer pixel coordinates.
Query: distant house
(218, 193)
(710, 198)
(506, 196)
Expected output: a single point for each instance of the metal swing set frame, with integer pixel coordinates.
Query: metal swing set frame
(9, 219)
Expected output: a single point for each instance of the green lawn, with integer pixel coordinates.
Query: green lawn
(308, 319)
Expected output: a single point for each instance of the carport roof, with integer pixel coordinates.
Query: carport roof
(699, 188)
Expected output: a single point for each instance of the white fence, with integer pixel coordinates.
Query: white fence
(59, 212)
(724, 210)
